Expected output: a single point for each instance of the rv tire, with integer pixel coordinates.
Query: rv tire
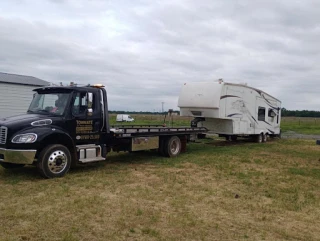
(264, 137)
(259, 138)
(234, 138)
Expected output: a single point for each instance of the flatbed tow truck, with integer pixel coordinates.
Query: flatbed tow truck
(69, 125)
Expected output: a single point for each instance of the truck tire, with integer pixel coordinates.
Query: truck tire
(172, 147)
(11, 165)
(54, 161)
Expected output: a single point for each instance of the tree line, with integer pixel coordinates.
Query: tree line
(300, 113)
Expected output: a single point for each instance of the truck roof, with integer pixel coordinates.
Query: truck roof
(66, 88)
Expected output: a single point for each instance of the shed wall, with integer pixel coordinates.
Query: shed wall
(14, 99)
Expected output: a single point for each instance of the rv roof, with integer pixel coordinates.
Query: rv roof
(259, 91)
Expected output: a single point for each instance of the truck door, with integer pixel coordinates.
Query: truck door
(87, 120)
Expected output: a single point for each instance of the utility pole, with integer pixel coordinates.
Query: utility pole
(162, 106)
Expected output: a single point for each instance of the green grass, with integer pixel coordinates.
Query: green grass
(217, 190)
(308, 126)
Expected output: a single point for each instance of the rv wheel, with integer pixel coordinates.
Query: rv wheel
(259, 138)
(264, 137)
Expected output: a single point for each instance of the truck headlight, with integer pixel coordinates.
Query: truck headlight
(25, 138)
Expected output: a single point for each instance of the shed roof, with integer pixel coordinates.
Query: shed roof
(21, 80)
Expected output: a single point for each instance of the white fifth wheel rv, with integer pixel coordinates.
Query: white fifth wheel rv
(231, 110)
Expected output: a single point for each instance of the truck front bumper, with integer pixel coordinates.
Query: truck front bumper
(17, 156)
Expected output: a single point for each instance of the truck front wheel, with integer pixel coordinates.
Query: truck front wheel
(54, 161)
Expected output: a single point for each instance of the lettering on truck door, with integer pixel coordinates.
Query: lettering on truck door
(87, 123)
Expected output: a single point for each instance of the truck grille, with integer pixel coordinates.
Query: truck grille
(3, 134)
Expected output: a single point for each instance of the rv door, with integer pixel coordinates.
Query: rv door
(261, 115)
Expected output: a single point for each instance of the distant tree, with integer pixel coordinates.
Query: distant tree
(300, 113)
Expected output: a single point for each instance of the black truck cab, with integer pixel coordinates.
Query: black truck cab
(65, 126)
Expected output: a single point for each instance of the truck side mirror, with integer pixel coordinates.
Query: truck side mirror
(90, 101)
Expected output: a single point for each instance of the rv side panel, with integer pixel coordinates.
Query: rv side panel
(200, 99)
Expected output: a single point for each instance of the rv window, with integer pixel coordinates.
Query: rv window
(261, 114)
(271, 113)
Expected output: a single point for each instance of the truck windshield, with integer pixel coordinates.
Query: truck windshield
(49, 103)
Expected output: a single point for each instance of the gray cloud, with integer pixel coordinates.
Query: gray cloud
(143, 51)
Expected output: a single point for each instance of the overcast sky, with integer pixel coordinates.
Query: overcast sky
(144, 50)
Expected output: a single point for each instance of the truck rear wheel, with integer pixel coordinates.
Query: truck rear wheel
(11, 165)
(54, 161)
(172, 146)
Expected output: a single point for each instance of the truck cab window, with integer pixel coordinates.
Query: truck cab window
(261, 114)
(80, 104)
(53, 103)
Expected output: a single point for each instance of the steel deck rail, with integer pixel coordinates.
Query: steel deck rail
(124, 132)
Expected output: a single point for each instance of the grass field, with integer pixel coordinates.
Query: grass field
(217, 190)
(302, 125)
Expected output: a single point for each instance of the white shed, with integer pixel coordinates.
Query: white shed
(16, 93)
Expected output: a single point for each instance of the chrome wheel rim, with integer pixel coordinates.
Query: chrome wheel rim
(57, 162)
(175, 147)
